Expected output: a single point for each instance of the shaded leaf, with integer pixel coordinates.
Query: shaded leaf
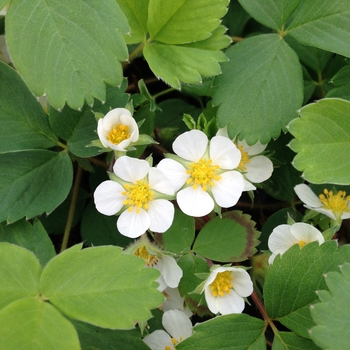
(341, 82)
(291, 341)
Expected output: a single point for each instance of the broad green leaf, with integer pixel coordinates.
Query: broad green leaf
(184, 21)
(24, 124)
(33, 182)
(227, 332)
(136, 11)
(293, 279)
(291, 341)
(331, 315)
(32, 324)
(267, 88)
(19, 274)
(235, 19)
(341, 82)
(230, 239)
(67, 49)
(271, 13)
(179, 237)
(3, 3)
(32, 237)
(101, 286)
(323, 24)
(322, 141)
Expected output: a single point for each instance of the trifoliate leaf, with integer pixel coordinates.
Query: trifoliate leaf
(331, 315)
(230, 239)
(184, 21)
(101, 286)
(323, 25)
(67, 50)
(227, 332)
(267, 88)
(32, 324)
(19, 274)
(293, 279)
(291, 341)
(33, 182)
(24, 124)
(271, 13)
(322, 141)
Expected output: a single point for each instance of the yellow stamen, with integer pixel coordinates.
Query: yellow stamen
(302, 243)
(203, 174)
(137, 195)
(150, 260)
(167, 347)
(244, 159)
(118, 134)
(338, 203)
(222, 284)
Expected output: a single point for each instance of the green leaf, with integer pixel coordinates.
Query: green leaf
(266, 93)
(291, 341)
(101, 286)
(293, 279)
(235, 19)
(323, 25)
(227, 332)
(271, 13)
(33, 182)
(331, 315)
(68, 50)
(19, 274)
(32, 237)
(3, 3)
(24, 124)
(322, 141)
(230, 239)
(185, 20)
(341, 82)
(33, 324)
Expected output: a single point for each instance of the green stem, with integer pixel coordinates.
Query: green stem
(71, 209)
(135, 53)
(164, 92)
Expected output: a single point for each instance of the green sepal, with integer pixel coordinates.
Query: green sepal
(144, 92)
(144, 139)
(290, 220)
(189, 121)
(98, 115)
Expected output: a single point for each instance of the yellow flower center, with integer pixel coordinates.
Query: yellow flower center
(143, 253)
(244, 159)
(338, 203)
(118, 134)
(138, 195)
(203, 174)
(222, 284)
(302, 243)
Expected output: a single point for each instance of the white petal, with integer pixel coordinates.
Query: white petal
(323, 211)
(228, 189)
(230, 303)
(191, 145)
(258, 169)
(223, 132)
(253, 150)
(272, 258)
(211, 300)
(174, 171)
(242, 282)
(177, 324)
(132, 224)
(108, 197)
(161, 282)
(224, 153)
(306, 233)
(158, 340)
(161, 213)
(281, 239)
(195, 202)
(171, 271)
(173, 300)
(306, 194)
(345, 215)
(159, 182)
(131, 169)
(248, 186)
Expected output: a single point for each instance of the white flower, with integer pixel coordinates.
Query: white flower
(177, 324)
(139, 197)
(285, 236)
(175, 301)
(202, 172)
(226, 288)
(256, 168)
(335, 206)
(117, 129)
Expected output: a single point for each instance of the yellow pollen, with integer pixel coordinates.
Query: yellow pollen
(203, 174)
(222, 284)
(118, 134)
(244, 159)
(150, 260)
(338, 203)
(137, 195)
(302, 243)
(173, 340)
(167, 347)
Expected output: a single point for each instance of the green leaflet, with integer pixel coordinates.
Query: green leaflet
(291, 341)
(322, 141)
(62, 49)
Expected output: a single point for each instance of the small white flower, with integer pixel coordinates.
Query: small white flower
(285, 236)
(202, 172)
(226, 288)
(138, 196)
(255, 167)
(177, 324)
(335, 206)
(175, 301)
(117, 129)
